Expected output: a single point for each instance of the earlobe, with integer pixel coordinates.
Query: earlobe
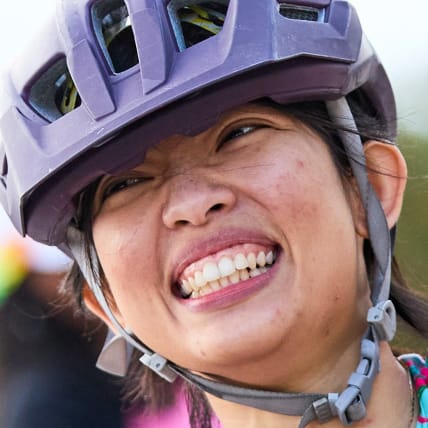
(92, 304)
(387, 173)
(116, 353)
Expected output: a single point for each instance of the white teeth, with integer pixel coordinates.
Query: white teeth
(187, 289)
(205, 290)
(254, 272)
(192, 284)
(234, 278)
(226, 267)
(211, 272)
(215, 285)
(252, 261)
(243, 274)
(226, 271)
(241, 261)
(200, 281)
(261, 259)
(224, 282)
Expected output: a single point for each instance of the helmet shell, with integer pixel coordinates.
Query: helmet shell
(45, 164)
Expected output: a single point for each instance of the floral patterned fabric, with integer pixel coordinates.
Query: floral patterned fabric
(418, 369)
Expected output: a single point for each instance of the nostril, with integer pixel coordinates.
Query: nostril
(197, 220)
(194, 201)
(217, 207)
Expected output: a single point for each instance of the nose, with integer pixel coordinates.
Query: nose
(194, 200)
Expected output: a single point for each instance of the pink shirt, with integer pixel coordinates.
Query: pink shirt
(175, 416)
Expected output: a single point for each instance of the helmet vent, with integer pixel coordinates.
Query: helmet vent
(196, 21)
(301, 13)
(54, 94)
(113, 29)
(4, 168)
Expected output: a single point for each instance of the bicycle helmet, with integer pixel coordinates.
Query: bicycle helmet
(108, 70)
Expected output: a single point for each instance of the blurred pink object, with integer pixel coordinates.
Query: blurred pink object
(174, 417)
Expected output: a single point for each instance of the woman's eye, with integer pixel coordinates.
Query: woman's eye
(239, 132)
(236, 133)
(120, 185)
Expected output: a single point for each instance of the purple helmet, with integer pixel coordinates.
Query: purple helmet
(107, 64)
(68, 110)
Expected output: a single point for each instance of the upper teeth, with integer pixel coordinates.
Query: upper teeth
(214, 275)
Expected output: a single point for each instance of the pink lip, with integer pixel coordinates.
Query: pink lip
(234, 293)
(198, 249)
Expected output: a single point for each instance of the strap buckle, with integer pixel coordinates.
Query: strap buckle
(325, 408)
(383, 319)
(160, 365)
(351, 404)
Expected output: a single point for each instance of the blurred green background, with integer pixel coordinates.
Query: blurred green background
(412, 237)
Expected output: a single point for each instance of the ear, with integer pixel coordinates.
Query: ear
(93, 305)
(387, 173)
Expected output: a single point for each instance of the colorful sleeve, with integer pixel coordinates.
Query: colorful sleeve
(419, 371)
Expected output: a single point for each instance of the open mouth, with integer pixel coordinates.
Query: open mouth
(225, 269)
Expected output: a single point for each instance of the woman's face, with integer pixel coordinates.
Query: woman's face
(252, 220)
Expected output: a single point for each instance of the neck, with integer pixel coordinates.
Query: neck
(390, 404)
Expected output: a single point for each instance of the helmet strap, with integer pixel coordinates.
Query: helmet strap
(89, 267)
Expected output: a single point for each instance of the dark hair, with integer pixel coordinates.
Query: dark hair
(153, 393)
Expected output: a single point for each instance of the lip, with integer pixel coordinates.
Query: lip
(198, 249)
(233, 294)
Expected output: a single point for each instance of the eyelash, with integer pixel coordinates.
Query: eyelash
(121, 185)
(237, 133)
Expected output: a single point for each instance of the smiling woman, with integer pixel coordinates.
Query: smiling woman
(231, 216)
(200, 187)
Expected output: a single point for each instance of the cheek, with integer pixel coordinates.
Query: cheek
(291, 190)
(131, 273)
(124, 260)
(310, 207)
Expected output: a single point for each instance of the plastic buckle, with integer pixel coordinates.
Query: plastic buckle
(351, 404)
(159, 364)
(325, 408)
(383, 319)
